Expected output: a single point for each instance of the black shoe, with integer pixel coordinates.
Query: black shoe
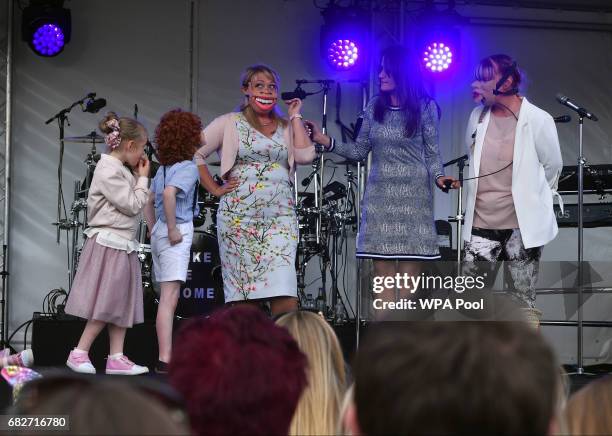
(161, 367)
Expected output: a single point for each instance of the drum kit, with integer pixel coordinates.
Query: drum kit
(322, 225)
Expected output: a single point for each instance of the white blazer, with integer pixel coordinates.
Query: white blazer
(536, 168)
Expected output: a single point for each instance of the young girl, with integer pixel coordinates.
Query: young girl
(171, 206)
(107, 288)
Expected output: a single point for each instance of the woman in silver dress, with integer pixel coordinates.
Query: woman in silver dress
(400, 127)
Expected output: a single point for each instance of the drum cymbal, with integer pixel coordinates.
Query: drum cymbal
(92, 137)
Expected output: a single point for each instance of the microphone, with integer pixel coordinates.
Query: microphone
(562, 119)
(94, 105)
(583, 112)
(308, 179)
(297, 93)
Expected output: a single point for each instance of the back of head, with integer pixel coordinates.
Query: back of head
(238, 372)
(588, 410)
(177, 136)
(455, 378)
(96, 406)
(319, 407)
(116, 129)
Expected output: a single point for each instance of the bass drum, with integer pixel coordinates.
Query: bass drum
(203, 291)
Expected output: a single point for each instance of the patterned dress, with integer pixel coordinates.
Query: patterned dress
(397, 221)
(257, 225)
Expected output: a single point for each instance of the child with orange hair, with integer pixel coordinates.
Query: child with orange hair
(169, 212)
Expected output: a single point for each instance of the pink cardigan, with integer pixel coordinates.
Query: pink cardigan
(221, 136)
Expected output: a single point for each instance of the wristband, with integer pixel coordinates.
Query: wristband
(296, 116)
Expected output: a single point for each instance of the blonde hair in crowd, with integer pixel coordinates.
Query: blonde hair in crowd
(588, 411)
(129, 129)
(318, 411)
(248, 112)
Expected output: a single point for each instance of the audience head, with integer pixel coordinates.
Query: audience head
(454, 378)
(588, 411)
(319, 408)
(238, 372)
(102, 406)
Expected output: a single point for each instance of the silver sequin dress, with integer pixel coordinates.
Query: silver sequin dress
(397, 221)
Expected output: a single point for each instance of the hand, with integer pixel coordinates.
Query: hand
(174, 236)
(228, 186)
(440, 182)
(143, 167)
(315, 133)
(295, 106)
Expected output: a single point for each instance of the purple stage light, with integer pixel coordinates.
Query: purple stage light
(343, 54)
(48, 40)
(437, 57)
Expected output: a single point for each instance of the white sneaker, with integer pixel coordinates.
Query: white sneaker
(121, 365)
(79, 362)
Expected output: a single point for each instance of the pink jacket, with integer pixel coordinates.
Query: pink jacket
(221, 136)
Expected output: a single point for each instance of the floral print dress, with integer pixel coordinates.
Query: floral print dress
(256, 223)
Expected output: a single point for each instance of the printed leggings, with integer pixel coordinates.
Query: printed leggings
(487, 250)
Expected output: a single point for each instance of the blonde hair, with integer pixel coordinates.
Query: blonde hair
(318, 411)
(129, 129)
(588, 410)
(245, 108)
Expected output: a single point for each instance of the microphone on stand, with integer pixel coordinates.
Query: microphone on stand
(93, 105)
(583, 112)
(562, 119)
(296, 93)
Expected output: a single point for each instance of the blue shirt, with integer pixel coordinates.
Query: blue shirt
(183, 176)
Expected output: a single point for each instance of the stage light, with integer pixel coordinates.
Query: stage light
(46, 27)
(437, 57)
(438, 40)
(343, 38)
(343, 54)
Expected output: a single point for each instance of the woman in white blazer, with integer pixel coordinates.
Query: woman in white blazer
(515, 163)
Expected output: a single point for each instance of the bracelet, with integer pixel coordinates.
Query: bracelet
(296, 116)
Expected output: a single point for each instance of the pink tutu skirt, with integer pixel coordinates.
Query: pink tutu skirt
(107, 286)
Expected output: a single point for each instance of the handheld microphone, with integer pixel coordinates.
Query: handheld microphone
(583, 112)
(562, 119)
(94, 105)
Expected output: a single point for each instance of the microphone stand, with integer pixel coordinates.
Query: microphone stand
(62, 119)
(581, 164)
(458, 218)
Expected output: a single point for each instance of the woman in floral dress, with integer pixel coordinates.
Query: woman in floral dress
(256, 222)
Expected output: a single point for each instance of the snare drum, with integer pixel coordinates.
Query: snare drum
(203, 291)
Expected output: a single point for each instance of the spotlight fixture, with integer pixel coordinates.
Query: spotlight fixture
(438, 40)
(343, 37)
(46, 27)
(437, 57)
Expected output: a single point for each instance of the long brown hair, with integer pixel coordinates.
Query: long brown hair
(245, 108)
(588, 410)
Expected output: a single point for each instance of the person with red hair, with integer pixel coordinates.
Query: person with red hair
(238, 373)
(169, 213)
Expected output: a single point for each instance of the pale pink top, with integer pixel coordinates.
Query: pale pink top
(494, 204)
